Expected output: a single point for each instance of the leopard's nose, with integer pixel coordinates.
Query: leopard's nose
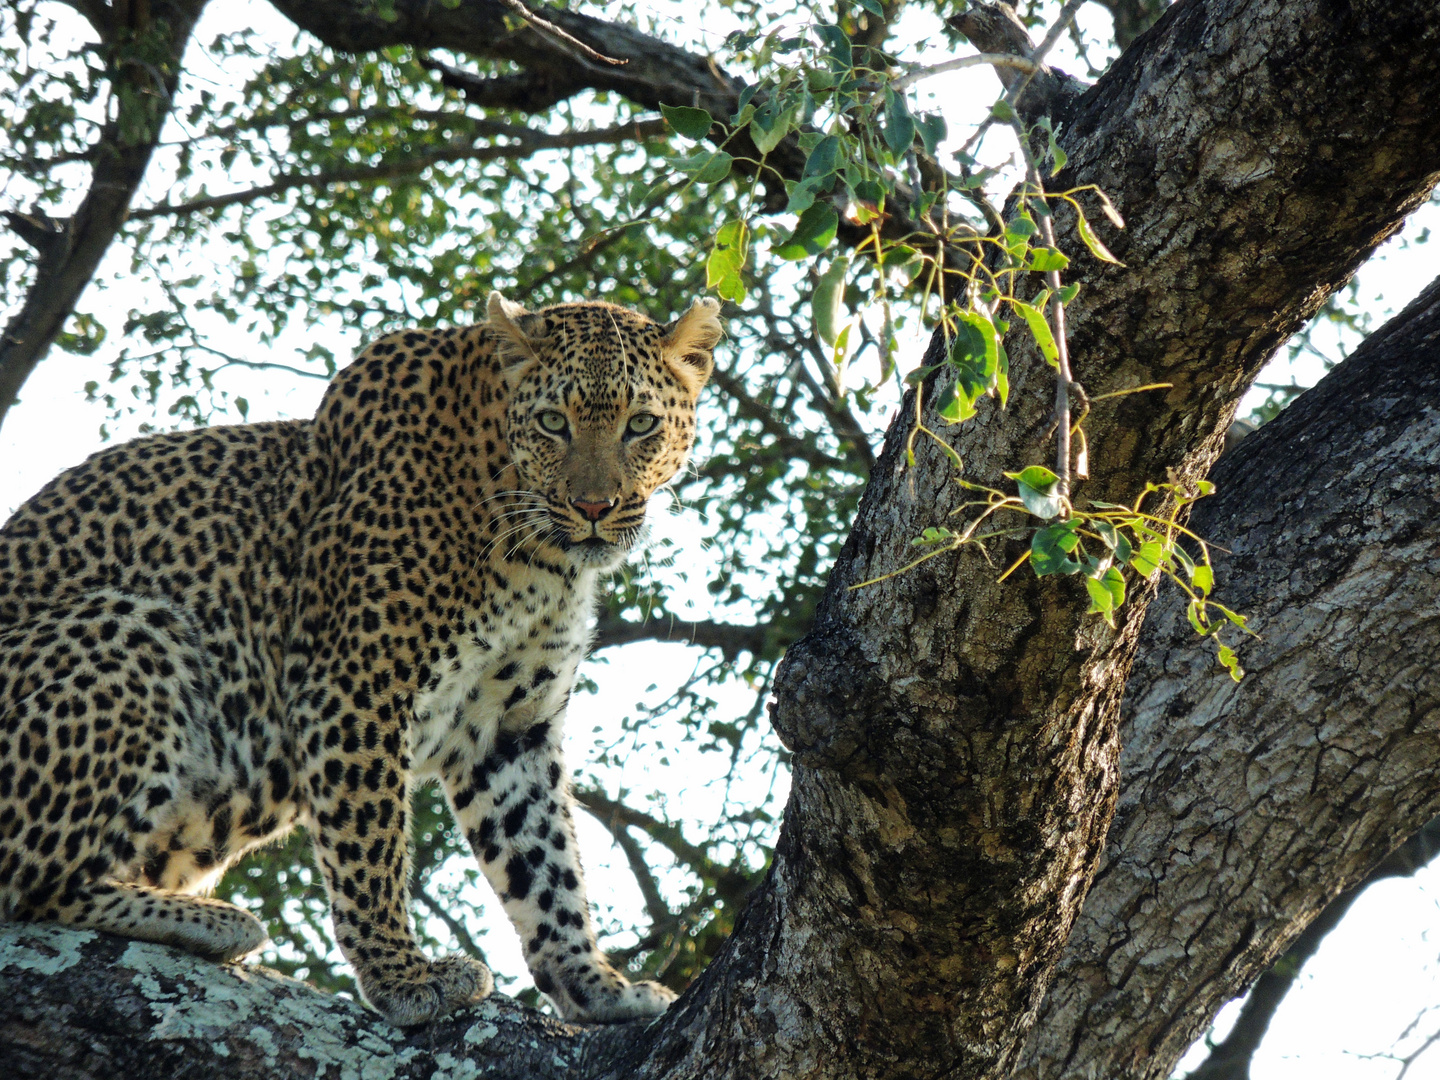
(593, 511)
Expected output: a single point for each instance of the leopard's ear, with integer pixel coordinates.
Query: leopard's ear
(516, 345)
(689, 343)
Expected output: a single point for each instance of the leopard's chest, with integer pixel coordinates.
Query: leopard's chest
(512, 667)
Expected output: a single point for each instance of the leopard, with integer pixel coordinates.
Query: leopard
(212, 637)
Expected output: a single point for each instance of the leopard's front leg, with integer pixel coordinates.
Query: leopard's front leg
(357, 782)
(514, 807)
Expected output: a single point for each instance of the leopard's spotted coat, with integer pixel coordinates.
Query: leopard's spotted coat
(207, 638)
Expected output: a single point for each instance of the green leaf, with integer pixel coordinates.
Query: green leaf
(1148, 559)
(727, 260)
(771, 124)
(873, 6)
(1037, 486)
(840, 353)
(1239, 620)
(818, 81)
(1068, 293)
(1003, 111)
(953, 406)
(692, 123)
(1107, 593)
(1037, 476)
(899, 127)
(1114, 539)
(1017, 237)
(837, 45)
(802, 195)
(932, 130)
(716, 169)
(1204, 578)
(1044, 505)
(1050, 548)
(1087, 234)
(826, 302)
(1197, 619)
(1040, 330)
(1183, 558)
(1020, 228)
(975, 356)
(242, 407)
(1231, 662)
(823, 159)
(1043, 259)
(746, 95)
(813, 233)
(1057, 154)
(933, 535)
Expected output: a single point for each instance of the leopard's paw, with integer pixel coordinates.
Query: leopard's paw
(444, 986)
(629, 1001)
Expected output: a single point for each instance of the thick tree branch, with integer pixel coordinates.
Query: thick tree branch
(1247, 809)
(1231, 1058)
(45, 234)
(955, 741)
(655, 72)
(996, 29)
(525, 92)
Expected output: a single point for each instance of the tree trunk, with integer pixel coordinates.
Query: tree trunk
(956, 741)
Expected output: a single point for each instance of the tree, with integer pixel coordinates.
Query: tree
(956, 741)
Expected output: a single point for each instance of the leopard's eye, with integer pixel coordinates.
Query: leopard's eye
(553, 422)
(641, 424)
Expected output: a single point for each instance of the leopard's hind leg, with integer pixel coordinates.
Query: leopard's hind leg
(209, 928)
(114, 796)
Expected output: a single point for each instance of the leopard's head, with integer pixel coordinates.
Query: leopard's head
(600, 412)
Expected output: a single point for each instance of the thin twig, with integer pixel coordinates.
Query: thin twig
(547, 27)
(1063, 378)
(915, 74)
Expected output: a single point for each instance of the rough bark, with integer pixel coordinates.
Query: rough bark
(955, 741)
(1246, 809)
(144, 44)
(83, 1006)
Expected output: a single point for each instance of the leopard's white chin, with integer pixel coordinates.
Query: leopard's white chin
(597, 554)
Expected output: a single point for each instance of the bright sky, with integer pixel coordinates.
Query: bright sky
(1373, 976)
